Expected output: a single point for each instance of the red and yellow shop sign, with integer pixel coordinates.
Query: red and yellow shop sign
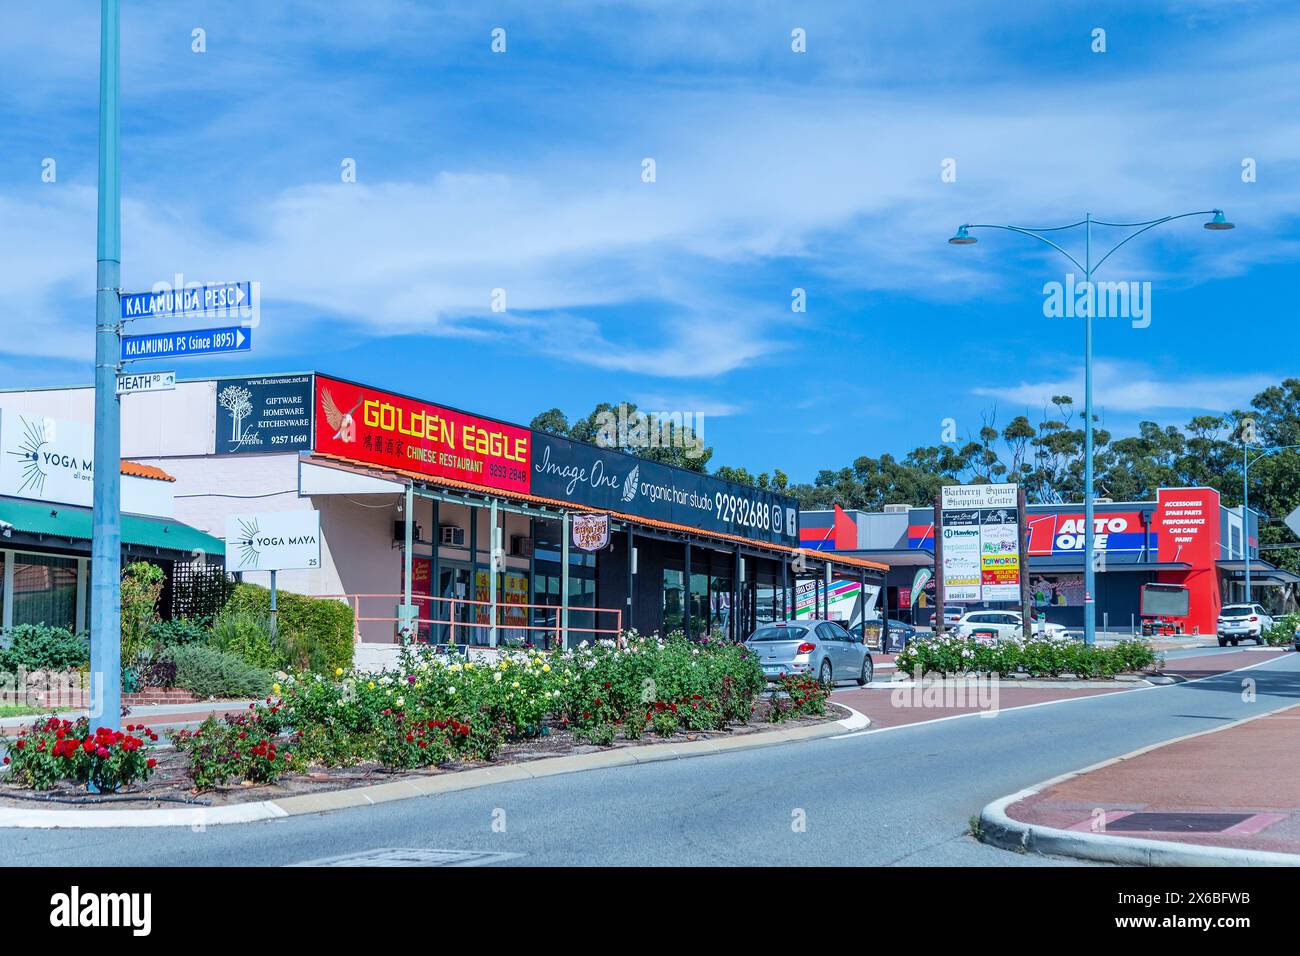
(380, 428)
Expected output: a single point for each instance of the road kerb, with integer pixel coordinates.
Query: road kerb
(407, 788)
(999, 829)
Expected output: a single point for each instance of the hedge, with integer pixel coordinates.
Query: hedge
(320, 629)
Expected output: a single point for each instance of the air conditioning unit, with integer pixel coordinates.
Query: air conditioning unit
(897, 509)
(451, 535)
(521, 546)
(399, 532)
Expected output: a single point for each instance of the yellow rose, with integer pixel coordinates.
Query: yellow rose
(275, 688)
(338, 672)
(371, 685)
(546, 668)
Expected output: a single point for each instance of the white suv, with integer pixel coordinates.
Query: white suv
(1003, 624)
(1238, 622)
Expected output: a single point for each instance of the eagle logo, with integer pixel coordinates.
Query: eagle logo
(345, 429)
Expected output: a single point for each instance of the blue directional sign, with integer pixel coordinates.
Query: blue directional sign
(185, 344)
(210, 300)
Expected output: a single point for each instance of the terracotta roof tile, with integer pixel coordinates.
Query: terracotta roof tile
(137, 470)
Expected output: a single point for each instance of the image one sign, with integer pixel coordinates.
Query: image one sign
(279, 541)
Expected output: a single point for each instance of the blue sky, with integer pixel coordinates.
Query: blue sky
(775, 171)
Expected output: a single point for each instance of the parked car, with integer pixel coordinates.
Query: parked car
(1238, 622)
(822, 648)
(1000, 624)
(900, 632)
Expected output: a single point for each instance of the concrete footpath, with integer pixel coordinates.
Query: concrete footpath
(1228, 795)
(154, 716)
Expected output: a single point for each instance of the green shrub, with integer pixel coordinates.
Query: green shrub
(1039, 656)
(246, 635)
(313, 633)
(34, 647)
(208, 672)
(1283, 630)
(180, 631)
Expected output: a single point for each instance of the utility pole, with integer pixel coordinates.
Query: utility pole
(938, 625)
(1022, 534)
(106, 540)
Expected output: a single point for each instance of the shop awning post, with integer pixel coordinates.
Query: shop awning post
(406, 618)
(564, 582)
(631, 572)
(493, 564)
(106, 534)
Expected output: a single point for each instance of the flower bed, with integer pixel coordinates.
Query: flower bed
(437, 712)
(1039, 656)
(54, 751)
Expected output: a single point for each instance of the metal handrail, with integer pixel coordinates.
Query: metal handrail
(452, 623)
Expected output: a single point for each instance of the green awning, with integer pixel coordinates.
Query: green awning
(68, 521)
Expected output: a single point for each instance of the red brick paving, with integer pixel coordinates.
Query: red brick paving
(888, 709)
(1248, 768)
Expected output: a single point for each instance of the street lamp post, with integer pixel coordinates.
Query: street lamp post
(1245, 502)
(963, 238)
(106, 532)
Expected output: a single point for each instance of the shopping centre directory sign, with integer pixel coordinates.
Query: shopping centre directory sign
(981, 543)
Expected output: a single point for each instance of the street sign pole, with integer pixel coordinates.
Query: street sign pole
(106, 533)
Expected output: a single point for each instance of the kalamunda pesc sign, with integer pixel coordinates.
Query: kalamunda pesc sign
(603, 478)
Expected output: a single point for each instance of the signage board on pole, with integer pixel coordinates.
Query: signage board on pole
(205, 301)
(980, 526)
(185, 344)
(146, 382)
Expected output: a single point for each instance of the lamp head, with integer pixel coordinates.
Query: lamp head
(963, 237)
(1218, 222)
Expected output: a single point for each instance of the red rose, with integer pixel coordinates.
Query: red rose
(151, 762)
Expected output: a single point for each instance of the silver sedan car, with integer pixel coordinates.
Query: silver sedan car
(822, 648)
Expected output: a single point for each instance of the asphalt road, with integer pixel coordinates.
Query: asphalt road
(898, 796)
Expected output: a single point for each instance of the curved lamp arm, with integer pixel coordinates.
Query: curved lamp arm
(1145, 226)
(1032, 235)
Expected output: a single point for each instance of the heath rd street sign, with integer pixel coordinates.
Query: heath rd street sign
(146, 382)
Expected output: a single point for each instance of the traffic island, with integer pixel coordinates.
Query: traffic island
(168, 800)
(1158, 807)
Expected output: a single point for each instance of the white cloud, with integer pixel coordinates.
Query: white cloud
(1136, 388)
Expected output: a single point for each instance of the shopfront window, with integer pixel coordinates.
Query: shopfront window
(45, 590)
(674, 600)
